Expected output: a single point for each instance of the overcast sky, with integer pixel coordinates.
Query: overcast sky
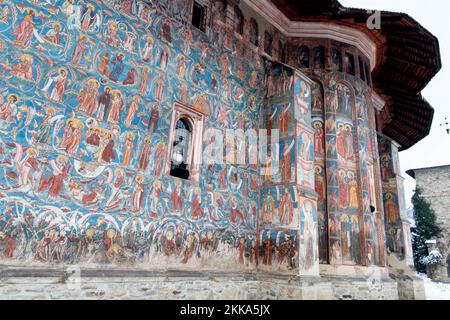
(434, 15)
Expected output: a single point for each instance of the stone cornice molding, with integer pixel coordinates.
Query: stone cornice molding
(299, 29)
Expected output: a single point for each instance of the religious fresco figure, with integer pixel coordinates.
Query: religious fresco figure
(23, 68)
(88, 98)
(144, 156)
(319, 139)
(71, 136)
(24, 31)
(103, 65)
(138, 194)
(54, 183)
(58, 84)
(45, 127)
(392, 211)
(128, 149)
(117, 67)
(147, 51)
(352, 191)
(111, 37)
(134, 106)
(116, 106)
(268, 210)
(104, 104)
(8, 109)
(80, 50)
(286, 209)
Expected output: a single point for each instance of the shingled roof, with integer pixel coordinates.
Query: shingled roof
(408, 57)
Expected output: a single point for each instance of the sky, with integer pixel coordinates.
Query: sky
(434, 150)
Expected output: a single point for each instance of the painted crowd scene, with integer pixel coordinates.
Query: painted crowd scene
(89, 91)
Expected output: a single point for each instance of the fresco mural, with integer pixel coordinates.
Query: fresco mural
(88, 89)
(86, 103)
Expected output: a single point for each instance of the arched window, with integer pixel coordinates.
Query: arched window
(350, 63)
(303, 53)
(319, 57)
(254, 32)
(337, 60)
(181, 149)
(268, 42)
(238, 20)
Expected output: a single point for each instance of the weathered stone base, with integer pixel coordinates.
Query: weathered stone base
(58, 283)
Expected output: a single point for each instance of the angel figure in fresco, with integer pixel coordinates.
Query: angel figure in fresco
(128, 146)
(114, 201)
(25, 30)
(8, 109)
(71, 136)
(116, 106)
(134, 106)
(73, 13)
(147, 51)
(59, 83)
(54, 183)
(138, 194)
(89, 18)
(89, 98)
(286, 209)
(268, 210)
(26, 167)
(391, 209)
(45, 127)
(144, 156)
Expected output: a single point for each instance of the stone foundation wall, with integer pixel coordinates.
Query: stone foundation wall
(57, 283)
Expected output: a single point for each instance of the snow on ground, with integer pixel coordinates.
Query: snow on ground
(436, 290)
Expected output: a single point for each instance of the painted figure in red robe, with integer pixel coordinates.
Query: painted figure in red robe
(24, 31)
